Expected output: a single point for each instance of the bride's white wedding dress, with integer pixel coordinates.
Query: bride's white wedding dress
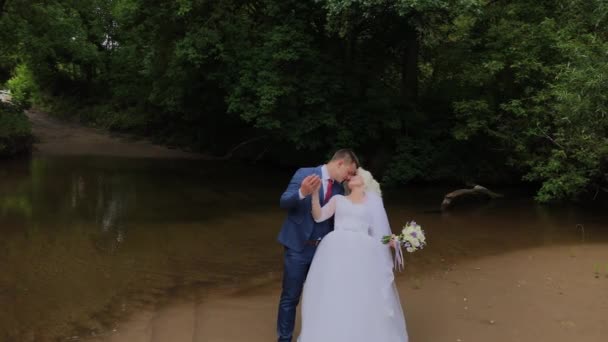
(349, 294)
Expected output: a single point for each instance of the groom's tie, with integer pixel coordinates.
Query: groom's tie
(330, 182)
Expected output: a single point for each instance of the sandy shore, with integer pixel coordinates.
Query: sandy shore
(66, 139)
(540, 294)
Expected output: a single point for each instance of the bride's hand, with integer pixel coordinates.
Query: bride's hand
(393, 243)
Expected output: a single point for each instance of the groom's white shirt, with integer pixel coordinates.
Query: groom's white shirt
(324, 181)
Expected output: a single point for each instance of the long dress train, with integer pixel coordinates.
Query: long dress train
(349, 294)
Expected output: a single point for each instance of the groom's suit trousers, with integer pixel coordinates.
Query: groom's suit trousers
(296, 265)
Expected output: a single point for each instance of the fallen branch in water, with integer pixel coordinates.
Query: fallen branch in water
(229, 154)
(477, 191)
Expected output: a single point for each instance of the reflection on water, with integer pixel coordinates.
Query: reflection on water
(85, 240)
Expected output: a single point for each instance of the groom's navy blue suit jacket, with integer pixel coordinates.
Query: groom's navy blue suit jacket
(299, 225)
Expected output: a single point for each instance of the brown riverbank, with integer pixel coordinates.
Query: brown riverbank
(538, 294)
(56, 137)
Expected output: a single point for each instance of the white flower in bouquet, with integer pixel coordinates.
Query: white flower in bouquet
(407, 230)
(415, 242)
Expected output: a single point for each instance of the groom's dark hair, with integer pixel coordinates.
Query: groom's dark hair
(347, 155)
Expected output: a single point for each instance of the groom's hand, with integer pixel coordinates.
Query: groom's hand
(310, 184)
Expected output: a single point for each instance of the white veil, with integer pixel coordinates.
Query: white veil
(380, 227)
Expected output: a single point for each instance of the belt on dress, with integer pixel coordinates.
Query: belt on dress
(312, 242)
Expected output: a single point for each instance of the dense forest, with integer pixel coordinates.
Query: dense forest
(424, 90)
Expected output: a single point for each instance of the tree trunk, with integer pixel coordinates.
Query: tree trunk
(2, 4)
(409, 66)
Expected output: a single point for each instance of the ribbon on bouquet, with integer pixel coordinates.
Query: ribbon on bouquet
(398, 256)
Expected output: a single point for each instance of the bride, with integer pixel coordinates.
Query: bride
(349, 294)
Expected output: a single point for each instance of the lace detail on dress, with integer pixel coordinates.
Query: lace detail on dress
(349, 216)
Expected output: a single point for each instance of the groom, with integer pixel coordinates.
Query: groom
(300, 234)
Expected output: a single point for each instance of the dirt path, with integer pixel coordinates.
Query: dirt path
(542, 294)
(61, 138)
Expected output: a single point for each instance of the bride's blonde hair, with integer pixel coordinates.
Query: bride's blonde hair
(370, 184)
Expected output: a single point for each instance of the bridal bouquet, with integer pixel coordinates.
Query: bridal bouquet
(411, 238)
